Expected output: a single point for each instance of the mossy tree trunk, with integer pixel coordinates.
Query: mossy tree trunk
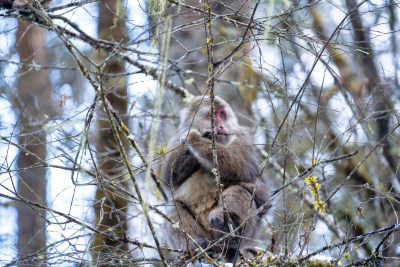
(108, 204)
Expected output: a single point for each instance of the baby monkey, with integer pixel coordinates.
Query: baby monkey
(189, 168)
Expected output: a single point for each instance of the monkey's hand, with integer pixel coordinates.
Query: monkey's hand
(236, 160)
(190, 136)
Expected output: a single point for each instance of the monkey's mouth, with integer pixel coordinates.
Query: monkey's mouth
(219, 137)
(208, 135)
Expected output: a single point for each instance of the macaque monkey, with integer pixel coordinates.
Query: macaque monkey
(189, 168)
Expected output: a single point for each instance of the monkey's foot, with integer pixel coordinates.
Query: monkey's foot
(217, 218)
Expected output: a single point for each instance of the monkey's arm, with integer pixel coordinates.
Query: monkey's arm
(180, 165)
(236, 160)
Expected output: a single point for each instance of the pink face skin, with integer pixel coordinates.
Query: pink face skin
(219, 120)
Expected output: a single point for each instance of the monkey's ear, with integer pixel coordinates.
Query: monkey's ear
(184, 116)
(248, 130)
(182, 139)
(187, 112)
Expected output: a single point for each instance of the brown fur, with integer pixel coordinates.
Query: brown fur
(189, 167)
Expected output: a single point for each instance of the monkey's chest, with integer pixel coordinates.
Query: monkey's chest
(198, 192)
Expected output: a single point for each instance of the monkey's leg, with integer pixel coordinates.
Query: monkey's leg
(187, 221)
(237, 203)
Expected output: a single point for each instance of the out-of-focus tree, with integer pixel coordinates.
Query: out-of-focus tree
(34, 105)
(237, 80)
(110, 207)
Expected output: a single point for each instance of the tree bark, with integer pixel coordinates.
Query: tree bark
(34, 104)
(108, 204)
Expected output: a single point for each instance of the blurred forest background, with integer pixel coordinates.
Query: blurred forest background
(90, 94)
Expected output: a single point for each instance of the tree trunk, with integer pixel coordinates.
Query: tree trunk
(108, 204)
(34, 104)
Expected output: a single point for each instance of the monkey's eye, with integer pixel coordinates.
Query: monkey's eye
(222, 114)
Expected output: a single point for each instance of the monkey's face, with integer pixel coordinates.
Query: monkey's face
(221, 130)
(225, 121)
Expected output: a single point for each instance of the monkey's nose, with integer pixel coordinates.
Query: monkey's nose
(221, 129)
